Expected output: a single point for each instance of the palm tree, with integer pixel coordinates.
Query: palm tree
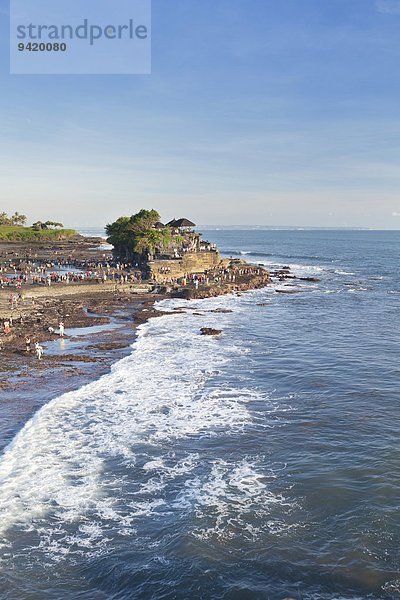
(4, 220)
(18, 219)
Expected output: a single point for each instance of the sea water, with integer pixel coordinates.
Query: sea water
(262, 463)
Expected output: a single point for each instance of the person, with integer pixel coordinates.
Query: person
(39, 351)
(61, 327)
(28, 344)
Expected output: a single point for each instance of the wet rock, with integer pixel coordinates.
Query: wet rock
(74, 358)
(109, 346)
(309, 279)
(210, 331)
(151, 313)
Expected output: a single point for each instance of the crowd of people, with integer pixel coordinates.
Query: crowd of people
(45, 273)
(218, 275)
(18, 273)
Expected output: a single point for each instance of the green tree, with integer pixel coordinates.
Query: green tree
(18, 219)
(38, 226)
(50, 224)
(136, 234)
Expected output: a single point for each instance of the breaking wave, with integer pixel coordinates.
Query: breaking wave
(121, 449)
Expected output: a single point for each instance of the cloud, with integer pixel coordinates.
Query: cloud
(389, 7)
(395, 214)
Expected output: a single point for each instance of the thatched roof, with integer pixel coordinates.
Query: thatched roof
(172, 223)
(159, 225)
(184, 223)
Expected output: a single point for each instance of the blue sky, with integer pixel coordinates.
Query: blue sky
(269, 112)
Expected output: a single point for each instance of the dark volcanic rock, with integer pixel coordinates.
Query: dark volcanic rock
(151, 313)
(309, 279)
(110, 346)
(210, 331)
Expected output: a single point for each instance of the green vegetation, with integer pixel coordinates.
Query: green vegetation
(12, 229)
(18, 233)
(136, 234)
(39, 226)
(16, 220)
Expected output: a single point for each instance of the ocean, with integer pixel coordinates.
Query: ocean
(263, 463)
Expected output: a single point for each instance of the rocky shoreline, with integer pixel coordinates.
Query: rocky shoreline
(100, 319)
(33, 306)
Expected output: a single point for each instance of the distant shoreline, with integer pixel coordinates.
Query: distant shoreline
(95, 230)
(286, 228)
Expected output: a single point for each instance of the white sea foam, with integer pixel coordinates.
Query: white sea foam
(296, 269)
(63, 478)
(339, 272)
(392, 587)
(225, 499)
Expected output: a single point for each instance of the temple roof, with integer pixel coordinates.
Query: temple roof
(184, 223)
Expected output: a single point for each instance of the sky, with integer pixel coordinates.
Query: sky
(257, 112)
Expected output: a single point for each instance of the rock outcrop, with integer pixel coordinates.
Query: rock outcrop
(210, 331)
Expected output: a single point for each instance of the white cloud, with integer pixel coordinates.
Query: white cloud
(395, 214)
(389, 7)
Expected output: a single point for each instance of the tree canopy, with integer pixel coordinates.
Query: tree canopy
(16, 220)
(39, 225)
(136, 234)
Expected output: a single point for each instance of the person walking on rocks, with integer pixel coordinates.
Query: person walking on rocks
(39, 351)
(61, 327)
(28, 344)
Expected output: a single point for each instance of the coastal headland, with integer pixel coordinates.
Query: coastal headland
(99, 295)
(79, 283)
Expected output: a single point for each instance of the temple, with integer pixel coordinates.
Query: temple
(174, 250)
(184, 253)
